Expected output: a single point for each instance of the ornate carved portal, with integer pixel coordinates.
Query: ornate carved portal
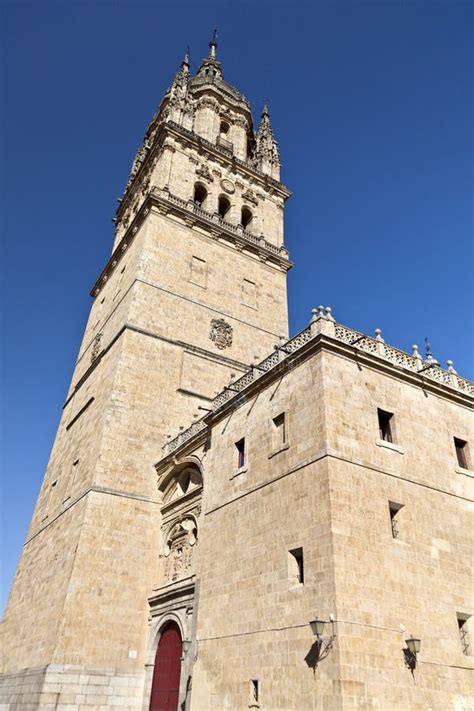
(172, 600)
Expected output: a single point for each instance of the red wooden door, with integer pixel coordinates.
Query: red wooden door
(165, 686)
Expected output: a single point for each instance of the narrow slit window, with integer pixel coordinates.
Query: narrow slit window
(464, 633)
(254, 692)
(296, 566)
(461, 453)
(279, 428)
(240, 446)
(386, 430)
(394, 510)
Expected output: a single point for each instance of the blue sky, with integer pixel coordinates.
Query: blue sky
(371, 103)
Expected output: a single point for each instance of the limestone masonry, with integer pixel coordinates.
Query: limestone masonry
(232, 519)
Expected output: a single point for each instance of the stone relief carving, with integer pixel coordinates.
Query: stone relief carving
(221, 333)
(208, 103)
(204, 172)
(179, 550)
(249, 195)
(96, 346)
(241, 121)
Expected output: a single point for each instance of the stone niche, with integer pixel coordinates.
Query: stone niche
(179, 549)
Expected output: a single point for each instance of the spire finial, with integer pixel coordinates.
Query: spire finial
(213, 44)
(185, 62)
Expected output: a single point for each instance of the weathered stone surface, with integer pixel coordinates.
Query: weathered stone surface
(211, 538)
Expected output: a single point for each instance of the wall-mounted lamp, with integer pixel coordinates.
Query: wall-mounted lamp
(323, 645)
(411, 651)
(317, 627)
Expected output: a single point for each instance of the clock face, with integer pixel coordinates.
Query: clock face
(227, 186)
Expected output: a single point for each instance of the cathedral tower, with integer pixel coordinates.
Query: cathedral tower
(194, 290)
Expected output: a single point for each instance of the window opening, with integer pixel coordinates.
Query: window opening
(246, 218)
(200, 194)
(240, 445)
(296, 566)
(385, 425)
(461, 452)
(463, 633)
(223, 206)
(279, 424)
(254, 691)
(394, 518)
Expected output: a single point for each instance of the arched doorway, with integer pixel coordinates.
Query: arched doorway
(165, 685)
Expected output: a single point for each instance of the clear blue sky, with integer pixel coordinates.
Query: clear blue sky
(372, 105)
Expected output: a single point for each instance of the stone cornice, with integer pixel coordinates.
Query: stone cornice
(265, 180)
(216, 227)
(322, 334)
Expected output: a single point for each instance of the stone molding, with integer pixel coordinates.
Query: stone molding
(170, 128)
(324, 332)
(216, 227)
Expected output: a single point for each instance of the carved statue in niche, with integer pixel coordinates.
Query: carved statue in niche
(179, 549)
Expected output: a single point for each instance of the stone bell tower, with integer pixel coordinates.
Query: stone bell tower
(195, 288)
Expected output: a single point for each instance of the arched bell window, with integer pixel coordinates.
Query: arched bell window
(223, 206)
(246, 217)
(200, 195)
(224, 129)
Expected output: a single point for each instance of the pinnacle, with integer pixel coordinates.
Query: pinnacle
(213, 44)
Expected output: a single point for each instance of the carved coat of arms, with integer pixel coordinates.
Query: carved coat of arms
(221, 333)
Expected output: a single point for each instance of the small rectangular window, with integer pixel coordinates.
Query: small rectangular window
(461, 453)
(240, 446)
(296, 566)
(254, 692)
(385, 425)
(464, 633)
(279, 427)
(395, 518)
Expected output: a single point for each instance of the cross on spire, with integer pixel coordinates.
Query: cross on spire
(213, 44)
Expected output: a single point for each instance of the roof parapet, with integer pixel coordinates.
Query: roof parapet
(323, 322)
